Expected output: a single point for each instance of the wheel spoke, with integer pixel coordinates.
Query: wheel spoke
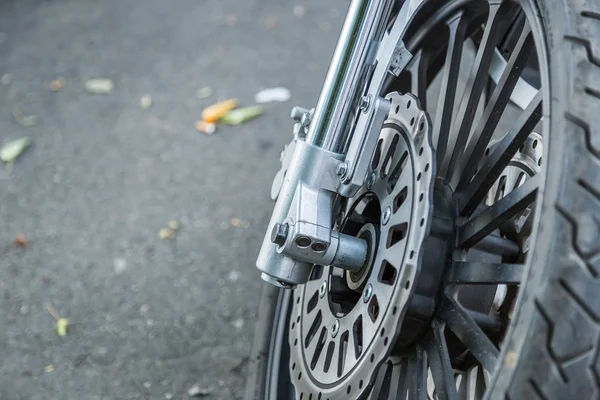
(503, 152)
(469, 333)
(485, 273)
(498, 245)
(418, 75)
(491, 217)
(398, 382)
(443, 118)
(495, 108)
(417, 376)
(477, 80)
(439, 362)
(390, 382)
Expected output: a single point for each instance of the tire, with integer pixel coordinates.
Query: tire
(552, 349)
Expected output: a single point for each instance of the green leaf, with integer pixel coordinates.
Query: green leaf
(62, 326)
(204, 93)
(13, 149)
(241, 115)
(99, 86)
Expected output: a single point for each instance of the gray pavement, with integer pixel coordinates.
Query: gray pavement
(151, 317)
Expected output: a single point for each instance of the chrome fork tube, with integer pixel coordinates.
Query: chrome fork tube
(363, 29)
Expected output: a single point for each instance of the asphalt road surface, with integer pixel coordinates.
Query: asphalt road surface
(150, 317)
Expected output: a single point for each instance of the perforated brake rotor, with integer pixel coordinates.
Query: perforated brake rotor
(334, 355)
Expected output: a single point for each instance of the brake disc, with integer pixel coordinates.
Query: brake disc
(336, 347)
(525, 164)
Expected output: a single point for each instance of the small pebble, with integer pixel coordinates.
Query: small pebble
(233, 276)
(238, 323)
(144, 308)
(168, 396)
(24, 310)
(173, 225)
(49, 368)
(147, 384)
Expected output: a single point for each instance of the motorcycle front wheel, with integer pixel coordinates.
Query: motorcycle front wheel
(506, 301)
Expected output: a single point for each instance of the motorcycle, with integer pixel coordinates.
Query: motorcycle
(436, 233)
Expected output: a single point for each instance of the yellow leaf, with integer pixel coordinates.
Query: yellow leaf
(217, 111)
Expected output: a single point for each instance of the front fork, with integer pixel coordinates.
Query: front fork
(331, 158)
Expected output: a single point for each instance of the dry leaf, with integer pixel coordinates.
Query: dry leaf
(21, 240)
(208, 128)
(26, 121)
(62, 326)
(299, 10)
(238, 223)
(270, 23)
(166, 233)
(52, 311)
(197, 391)
(241, 115)
(146, 102)
(278, 94)
(49, 368)
(6, 79)
(13, 149)
(99, 86)
(57, 84)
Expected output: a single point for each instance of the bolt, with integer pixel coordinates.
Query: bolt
(371, 181)
(364, 103)
(298, 112)
(323, 289)
(279, 234)
(342, 169)
(335, 328)
(368, 293)
(318, 246)
(303, 241)
(385, 218)
(306, 118)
